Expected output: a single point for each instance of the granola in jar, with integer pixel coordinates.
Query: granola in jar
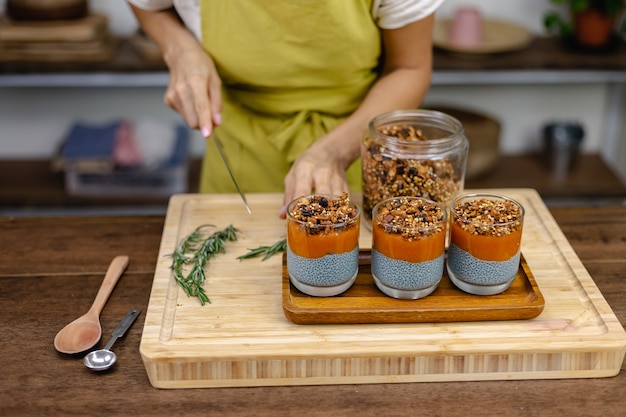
(413, 153)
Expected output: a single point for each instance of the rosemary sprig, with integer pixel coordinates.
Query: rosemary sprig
(267, 251)
(197, 250)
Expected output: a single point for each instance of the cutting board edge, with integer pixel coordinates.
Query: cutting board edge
(428, 368)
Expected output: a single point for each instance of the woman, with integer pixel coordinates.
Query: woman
(289, 86)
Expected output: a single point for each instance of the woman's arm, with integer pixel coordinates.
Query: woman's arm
(403, 84)
(194, 88)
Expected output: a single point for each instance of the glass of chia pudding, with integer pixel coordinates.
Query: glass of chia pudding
(408, 246)
(323, 244)
(485, 238)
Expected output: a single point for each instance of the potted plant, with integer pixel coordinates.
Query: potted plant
(592, 23)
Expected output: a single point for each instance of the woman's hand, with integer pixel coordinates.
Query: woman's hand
(403, 85)
(321, 169)
(194, 90)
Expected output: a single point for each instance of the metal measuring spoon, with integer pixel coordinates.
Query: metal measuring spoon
(102, 359)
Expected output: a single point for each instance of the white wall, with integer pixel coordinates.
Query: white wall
(523, 110)
(33, 120)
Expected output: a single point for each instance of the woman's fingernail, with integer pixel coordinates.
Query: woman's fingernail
(206, 132)
(218, 119)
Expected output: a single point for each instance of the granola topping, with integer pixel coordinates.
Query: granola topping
(386, 175)
(488, 217)
(320, 214)
(411, 218)
(409, 133)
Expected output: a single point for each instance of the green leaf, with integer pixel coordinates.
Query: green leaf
(577, 6)
(267, 251)
(201, 250)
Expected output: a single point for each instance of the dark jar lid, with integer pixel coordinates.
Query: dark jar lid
(563, 132)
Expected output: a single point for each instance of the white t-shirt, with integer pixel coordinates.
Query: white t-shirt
(389, 14)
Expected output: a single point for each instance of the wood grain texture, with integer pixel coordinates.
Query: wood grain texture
(364, 303)
(244, 339)
(85, 29)
(44, 282)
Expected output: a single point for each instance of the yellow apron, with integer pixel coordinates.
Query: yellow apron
(292, 70)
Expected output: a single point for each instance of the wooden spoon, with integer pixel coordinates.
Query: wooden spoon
(84, 332)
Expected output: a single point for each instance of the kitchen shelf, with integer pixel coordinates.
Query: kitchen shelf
(35, 189)
(546, 61)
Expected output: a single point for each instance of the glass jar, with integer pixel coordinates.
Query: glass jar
(323, 244)
(420, 153)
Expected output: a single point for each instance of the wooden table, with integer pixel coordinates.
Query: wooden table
(50, 269)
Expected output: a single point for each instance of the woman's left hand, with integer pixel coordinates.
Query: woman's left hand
(318, 170)
(403, 85)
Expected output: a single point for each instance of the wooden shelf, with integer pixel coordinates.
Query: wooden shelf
(544, 53)
(546, 60)
(32, 186)
(590, 179)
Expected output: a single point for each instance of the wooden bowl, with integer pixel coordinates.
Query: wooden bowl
(483, 133)
(42, 10)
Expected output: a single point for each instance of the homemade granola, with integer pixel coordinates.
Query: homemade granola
(320, 213)
(403, 132)
(488, 217)
(411, 218)
(386, 175)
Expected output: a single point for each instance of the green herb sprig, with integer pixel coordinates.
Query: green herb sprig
(267, 251)
(196, 250)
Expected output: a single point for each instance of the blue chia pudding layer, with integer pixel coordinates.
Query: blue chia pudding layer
(328, 271)
(403, 275)
(465, 267)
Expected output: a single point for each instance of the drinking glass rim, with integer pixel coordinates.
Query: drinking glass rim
(443, 221)
(334, 197)
(489, 196)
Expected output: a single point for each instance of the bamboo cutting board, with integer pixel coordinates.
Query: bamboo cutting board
(244, 339)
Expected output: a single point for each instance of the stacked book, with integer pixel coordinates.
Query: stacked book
(84, 39)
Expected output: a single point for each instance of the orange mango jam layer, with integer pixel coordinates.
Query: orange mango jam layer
(316, 246)
(394, 246)
(487, 248)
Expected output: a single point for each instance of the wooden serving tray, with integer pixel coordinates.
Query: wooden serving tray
(243, 338)
(365, 303)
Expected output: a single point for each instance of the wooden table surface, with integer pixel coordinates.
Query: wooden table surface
(51, 268)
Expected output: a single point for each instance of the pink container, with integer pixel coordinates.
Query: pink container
(466, 30)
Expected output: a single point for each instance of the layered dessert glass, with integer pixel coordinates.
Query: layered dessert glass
(408, 246)
(485, 239)
(323, 244)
